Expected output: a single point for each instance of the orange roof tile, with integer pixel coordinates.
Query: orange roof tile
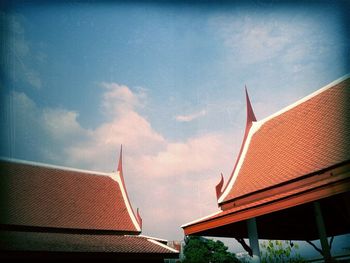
(63, 242)
(309, 137)
(56, 197)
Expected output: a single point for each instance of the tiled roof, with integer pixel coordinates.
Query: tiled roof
(63, 242)
(307, 138)
(44, 196)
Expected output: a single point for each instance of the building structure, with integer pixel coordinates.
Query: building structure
(53, 213)
(291, 180)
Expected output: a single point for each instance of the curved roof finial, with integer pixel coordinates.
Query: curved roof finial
(250, 112)
(250, 118)
(218, 187)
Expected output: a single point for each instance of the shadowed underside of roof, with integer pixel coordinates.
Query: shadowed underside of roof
(307, 138)
(39, 196)
(294, 223)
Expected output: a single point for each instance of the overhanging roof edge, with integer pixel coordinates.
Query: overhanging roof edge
(226, 217)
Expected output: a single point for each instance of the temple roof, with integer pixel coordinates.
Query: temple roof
(40, 195)
(288, 160)
(308, 136)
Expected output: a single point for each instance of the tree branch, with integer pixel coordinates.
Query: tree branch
(245, 246)
(331, 243)
(314, 246)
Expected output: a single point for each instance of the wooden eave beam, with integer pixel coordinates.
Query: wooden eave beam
(329, 174)
(333, 186)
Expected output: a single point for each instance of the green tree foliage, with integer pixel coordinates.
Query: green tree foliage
(280, 251)
(202, 250)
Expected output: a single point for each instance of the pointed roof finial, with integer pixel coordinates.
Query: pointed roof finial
(250, 112)
(120, 164)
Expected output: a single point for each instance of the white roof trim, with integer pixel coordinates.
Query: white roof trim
(116, 177)
(162, 245)
(298, 102)
(12, 160)
(200, 219)
(155, 238)
(256, 126)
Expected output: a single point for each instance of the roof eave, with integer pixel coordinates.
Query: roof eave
(335, 181)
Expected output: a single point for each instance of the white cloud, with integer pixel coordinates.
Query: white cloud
(119, 98)
(33, 79)
(19, 53)
(261, 38)
(190, 117)
(62, 124)
(124, 126)
(28, 131)
(195, 155)
(172, 182)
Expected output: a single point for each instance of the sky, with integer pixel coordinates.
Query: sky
(166, 80)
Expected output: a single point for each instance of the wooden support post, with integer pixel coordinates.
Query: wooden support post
(322, 232)
(253, 239)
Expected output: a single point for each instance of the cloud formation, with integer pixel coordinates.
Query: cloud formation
(20, 57)
(190, 117)
(263, 38)
(171, 181)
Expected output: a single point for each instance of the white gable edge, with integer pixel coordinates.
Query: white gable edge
(255, 127)
(117, 177)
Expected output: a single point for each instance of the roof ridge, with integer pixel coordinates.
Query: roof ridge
(305, 98)
(53, 166)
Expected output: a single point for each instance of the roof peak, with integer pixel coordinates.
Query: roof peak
(120, 163)
(250, 113)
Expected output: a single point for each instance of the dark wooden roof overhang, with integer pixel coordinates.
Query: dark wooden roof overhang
(285, 211)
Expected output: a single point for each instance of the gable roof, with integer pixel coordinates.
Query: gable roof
(308, 136)
(40, 195)
(296, 156)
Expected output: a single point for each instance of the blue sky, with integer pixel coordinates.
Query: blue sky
(166, 80)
